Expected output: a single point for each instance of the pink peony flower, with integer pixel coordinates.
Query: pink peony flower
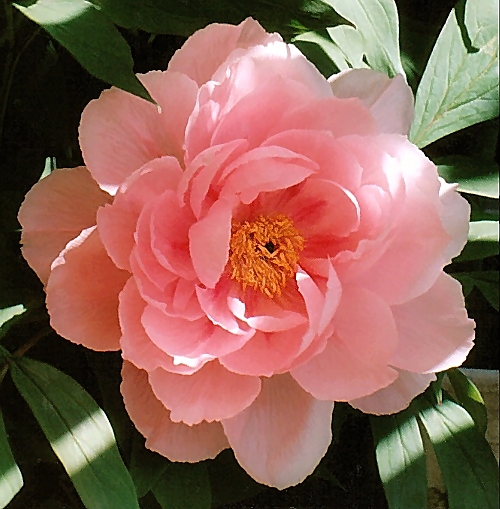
(263, 243)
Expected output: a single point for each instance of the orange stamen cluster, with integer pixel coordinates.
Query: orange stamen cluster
(264, 253)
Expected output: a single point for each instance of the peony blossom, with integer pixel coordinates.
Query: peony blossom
(261, 243)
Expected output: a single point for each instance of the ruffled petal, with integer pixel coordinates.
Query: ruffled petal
(120, 132)
(211, 394)
(207, 49)
(395, 397)
(434, 331)
(390, 99)
(82, 294)
(55, 211)
(280, 439)
(176, 441)
(354, 361)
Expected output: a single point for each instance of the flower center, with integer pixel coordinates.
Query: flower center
(264, 253)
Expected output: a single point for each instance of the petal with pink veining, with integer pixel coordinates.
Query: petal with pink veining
(55, 211)
(354, 361)
(434, 331)
(280, 439)
(207, 49)
(120, 132)
(211, 394)
(176, 441)
(82, 294)
(397, 396)
(390, 99)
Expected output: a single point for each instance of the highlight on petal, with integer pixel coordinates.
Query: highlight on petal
(211, 394)
(207, 49)
(282, 436)
(55, 211)
(397, 396)
(82, 294)
(390, 100)
(434, 332)
(176, 441)
(120, 132)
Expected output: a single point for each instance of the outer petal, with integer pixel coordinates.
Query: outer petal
(55, 211)
(207, 49)
(395, 397)
(390, 100)
(210, 394)
(354, 361)
(120, 132)
(176, 441)
(280, 439)
(433, 329)
(82, 294)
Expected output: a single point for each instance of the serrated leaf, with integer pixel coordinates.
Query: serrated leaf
(459, 86)
(401, 460)
(469, 468)
(377, 22)
(184, 486)
(11, 480)
(482, 242)
(90, 37)
(79, 433)
(474, 176)
(468, 395)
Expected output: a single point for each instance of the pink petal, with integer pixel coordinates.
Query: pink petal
(120, 132)
(433, 329)
(266, 353)
(280, 439)
(390, 100)
(210, 394)
(117, 222)
(334, 161)
(209, 243)
(82, 294)
(56, 210)
(135, 344)
(265, 169)
(341, 117)
(395, 397)
(176, 441)
(203, 53)
(354, 361)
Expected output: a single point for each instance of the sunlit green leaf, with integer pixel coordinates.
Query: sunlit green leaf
(90, 37)
(483, 241)
(474, 176)
(11, 480)
(79, 433)
(377, 22)
(460, 83)
(184, 486)
(469, 397)
(485, 280)
(401, 460)
(469, 468)
(8, 314)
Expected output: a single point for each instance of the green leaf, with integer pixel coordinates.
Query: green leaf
(469, 397)
(8, 314)
(184, 486)
(79, 433)
(90, 37)
(377, 22)
(474, 176)
(351, 45)
(483, 241)
(401, 460)
(486, 281)
(11, 480)
(460, 83)
(469, 468)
